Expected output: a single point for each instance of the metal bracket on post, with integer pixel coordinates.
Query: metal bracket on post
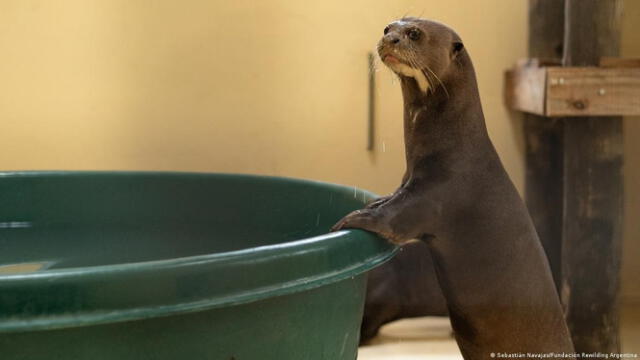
(372, 101)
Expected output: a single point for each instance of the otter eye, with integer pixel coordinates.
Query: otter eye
(413, 34)
(386, 30)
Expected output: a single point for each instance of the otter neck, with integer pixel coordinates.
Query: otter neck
(439, 122)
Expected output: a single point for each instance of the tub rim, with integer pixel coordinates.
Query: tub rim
(377, 252)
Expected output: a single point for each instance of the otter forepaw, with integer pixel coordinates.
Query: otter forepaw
(361, 219)
(378, 202)
(370, 220)
(367, 219)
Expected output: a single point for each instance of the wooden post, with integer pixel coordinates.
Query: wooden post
(574, 174)
(544, 138)
(591, 241)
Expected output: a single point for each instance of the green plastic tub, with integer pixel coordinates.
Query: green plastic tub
(179, 266)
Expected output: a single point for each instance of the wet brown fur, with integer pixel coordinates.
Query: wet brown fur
(457, 198)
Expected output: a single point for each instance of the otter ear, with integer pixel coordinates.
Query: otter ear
(457, 48)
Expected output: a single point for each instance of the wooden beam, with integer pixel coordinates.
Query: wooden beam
(543, 138)
(614, 62)
(592, 91)
(591, 31)
(525, 89)
(592, 189)
(546, 29)
(574, 91)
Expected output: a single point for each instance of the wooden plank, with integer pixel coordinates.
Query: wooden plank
(592, 31)
(525, 89)
(546, 29)
(615, 62)
(538, 62)
(544, 139)
(573, 91)
(592, 231)
(592, 190)
(592, 91)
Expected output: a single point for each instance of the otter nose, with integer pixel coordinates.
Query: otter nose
(391, 39)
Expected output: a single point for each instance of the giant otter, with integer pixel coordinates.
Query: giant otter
(458, 199)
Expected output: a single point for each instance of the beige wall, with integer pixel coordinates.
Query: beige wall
(268, 87)
(631, 234)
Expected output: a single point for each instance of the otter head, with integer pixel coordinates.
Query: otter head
(420, 49)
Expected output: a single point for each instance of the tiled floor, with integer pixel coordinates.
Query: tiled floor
(412, 339)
